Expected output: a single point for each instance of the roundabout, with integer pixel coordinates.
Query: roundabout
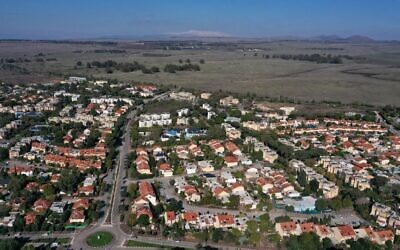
(99, 239)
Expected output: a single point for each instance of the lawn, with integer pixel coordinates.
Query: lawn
(99, 239)
(133, 243)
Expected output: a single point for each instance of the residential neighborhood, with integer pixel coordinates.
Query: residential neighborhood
(187, 167)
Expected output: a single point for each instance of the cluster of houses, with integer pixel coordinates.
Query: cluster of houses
(182, 96)
(41, 159)
(223, 184)
(42, 206)
(7, 129)
(386, 216)
(143, 90)
(203, 221)
(30, 104)
(147, 196)
(268, 154)
(337, 235)
(150, 120)
(102, 111)
(355, 177)
(329, 189)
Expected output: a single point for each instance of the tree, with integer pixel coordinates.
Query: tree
(234, 201)
(321, 204)
(379, 181)
(303, 242)
(252, 226)
(233, 235)
(174, 205)
(3, 154)
(49, 191)
(69, 180)
(217, 234)
(314, 185)
(143, 220)
(133, 190)
(265, 223)
(255, 238)
(302, 178)
(327, 243)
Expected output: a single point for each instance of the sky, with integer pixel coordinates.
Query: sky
(83, 19)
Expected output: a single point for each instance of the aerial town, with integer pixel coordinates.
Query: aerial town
(154, 166)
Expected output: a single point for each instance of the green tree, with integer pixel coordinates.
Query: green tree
(321, 204)
(314, 185)
(217, 234)
(143, 220)
(234, 201)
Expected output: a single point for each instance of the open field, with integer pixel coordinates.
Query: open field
(372, 77)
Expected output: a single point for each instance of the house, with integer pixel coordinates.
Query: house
(7, 221)
(86, 190)
(21, 170)
(205, 166)
(232, 148)
(30, 218)
(383, 236)
(224, 221)
(146, 191)
(143, 168)
(228, 101)
(144, 210)
(323, 231)
(77, 216)
(237, 189)
(41, 205)
(190, 217)
(182, 152)
(221, 194)
(252, 173)
(285, 229)
(31, 186)
(170, 218)
(190, 168)
(165, 169)
(58, 207)
(216, 146)
(343, 233)
(227, 177)
(191, 193)
(81, 203)
(38, 147)
(265, 184)
(231, 161)
(54, 178)
(205, 95)
(308, 227)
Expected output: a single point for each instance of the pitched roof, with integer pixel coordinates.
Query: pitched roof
(346, 230)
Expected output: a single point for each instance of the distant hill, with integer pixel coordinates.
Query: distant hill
(335, 38)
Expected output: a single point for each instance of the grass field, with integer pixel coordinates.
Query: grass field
(99, 239)
(373, 77)
(138, 244)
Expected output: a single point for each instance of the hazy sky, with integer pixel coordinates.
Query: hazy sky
(60, 19)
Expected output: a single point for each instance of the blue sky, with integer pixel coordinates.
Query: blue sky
(60, 19)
